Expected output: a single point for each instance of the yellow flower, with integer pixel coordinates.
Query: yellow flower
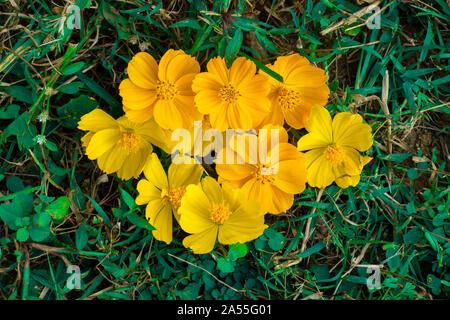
(271, 181)
(233, 97)
(303, 87)
(345, 180)
(162, 193)
(334, 148)
(209, 212)
(162, 91)
(120, 145)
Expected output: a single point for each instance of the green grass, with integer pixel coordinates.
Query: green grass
(58, 209)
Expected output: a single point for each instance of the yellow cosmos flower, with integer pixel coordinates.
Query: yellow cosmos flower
(209, 212)
(162, 193)
(120, 145)
(163, 91)
(334, 148)
(303, 87)
(233, 97)
(271, 181)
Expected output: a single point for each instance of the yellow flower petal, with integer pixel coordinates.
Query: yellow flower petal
(154, 172)
(147, 192)
(159, 216)
(212, 190)
(312, 140)
(320, 124)
(349, 131)
(96, 120)
(319, 170)
(181, 65)
(194, 210)
(184, 174)
(241, 71)
(202, 242)
(165, 61)
(139, 116)
(291, 176)
(101, 142)
(283, 201)
(218, 67)
(142, 70)
(167, 115)
(244, 224)
(134, 97)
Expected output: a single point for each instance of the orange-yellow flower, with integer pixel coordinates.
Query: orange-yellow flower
(211, 212)
(161, 91)
(303, 87)
(120, 145)
(272, 177)
(334, 148)
(162, 193)
(233, 97)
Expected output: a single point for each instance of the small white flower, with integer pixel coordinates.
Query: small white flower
(43, 117)
(40, 139)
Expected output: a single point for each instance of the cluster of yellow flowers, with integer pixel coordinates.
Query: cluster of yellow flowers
(161, 98)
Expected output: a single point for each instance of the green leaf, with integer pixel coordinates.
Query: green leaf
(441, 219)
(39, 234)
(321, 272)
(22, 235)
(434, 283)
(10, 112)
(58, 208)
(261, 66)
(12, 212)
(14, 184)
(100, 211)
(393, 258)
(426, 42)
(395, 157)
(72, 68)
(413, 236)
(20, 93)
(115, 19)
(413, 173)
(128, 199)
(265, 42)
(23, 130)
(116, 107)
(238, 250)
(81, 237)
(51, 145)
(225, 265)
(71, 88)
(187, 23)
(139, 222)
(276, 240)
(75, 108)
(314, 249)
(260, 243)
(42, 219)
(233, 47)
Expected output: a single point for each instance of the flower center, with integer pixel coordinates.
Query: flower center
(288, 99)
(129, 141)
(265, 174)
(334, 154)
(219, 213)
(173, 195)
(165, 90)
(228, 93)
